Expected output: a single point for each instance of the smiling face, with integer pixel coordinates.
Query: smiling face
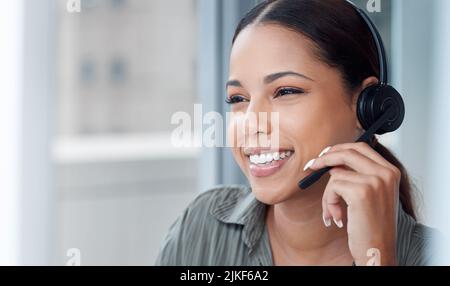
(274, 69)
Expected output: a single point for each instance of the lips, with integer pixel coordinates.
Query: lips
(266, 162)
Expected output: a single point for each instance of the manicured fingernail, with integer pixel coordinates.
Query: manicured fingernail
(309, 164)
(324, 151)
(339, 223)
(326, 221)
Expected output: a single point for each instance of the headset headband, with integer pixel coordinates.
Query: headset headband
(378, 41)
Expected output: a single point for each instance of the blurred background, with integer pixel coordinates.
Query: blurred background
(86, 99)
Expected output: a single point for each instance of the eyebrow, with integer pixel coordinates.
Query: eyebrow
(271, 78)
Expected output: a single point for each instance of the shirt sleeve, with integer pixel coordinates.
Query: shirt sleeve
(171, 252)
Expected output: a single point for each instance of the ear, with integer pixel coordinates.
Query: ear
(370, 81)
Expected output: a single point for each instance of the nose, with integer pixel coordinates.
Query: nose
(258, 122)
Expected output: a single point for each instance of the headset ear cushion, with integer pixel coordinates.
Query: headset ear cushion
(374, 101)
(364, 113)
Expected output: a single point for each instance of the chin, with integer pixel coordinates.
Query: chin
(272, 195)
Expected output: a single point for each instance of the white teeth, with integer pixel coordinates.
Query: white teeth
(269, 157)
(261, 159)
(276, 156)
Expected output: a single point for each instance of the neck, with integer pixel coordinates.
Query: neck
(298, 234)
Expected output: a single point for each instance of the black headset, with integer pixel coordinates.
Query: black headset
(380, 108)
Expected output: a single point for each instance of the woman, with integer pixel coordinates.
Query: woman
(308, 61)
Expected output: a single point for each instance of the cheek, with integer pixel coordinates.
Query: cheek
(235, 131)
(236, 137)
(301, 122)
(314, 125)
(341, 124)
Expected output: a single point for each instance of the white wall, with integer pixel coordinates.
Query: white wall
(439, 128)
(115, 213)
(26, 201)
(421, 41)
(411, 66)
(37, 200)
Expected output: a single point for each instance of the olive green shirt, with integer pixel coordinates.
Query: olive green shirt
(226, 226)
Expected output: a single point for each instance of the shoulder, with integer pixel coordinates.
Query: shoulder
(219, 197)
(422, 250)
(417, 243)
(199, 224)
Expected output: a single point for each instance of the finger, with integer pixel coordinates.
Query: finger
(369, 182)
(337, 212)
(382, 176)
(326, 215)
(350, 158)
(364, 149)
(350, 192)
(340, 173)
(333, 209)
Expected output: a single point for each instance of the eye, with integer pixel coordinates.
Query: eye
(235, 99)
(288, 91)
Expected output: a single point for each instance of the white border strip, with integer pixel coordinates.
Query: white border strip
(11, 59)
